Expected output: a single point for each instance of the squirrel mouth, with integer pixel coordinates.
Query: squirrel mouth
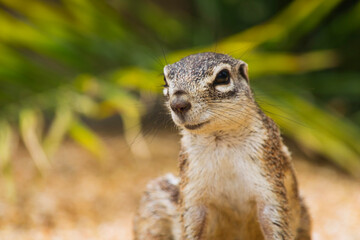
(196, 126)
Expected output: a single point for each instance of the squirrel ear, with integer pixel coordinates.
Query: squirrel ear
(243, 69)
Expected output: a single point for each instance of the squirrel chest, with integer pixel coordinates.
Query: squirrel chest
(223, 172)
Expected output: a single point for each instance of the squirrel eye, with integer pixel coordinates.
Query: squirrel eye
(222, 78)
(166, 84)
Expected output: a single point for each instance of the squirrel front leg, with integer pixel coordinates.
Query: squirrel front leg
(274, 217)
(194, 220)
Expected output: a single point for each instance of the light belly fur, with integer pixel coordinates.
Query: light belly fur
(226, 181)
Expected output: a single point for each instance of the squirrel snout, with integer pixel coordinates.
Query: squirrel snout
(179, 103)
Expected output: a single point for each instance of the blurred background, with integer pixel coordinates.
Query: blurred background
(82, 121)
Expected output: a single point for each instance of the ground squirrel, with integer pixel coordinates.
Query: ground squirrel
(236, 177)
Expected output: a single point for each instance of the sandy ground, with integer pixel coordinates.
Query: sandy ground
(80, 198)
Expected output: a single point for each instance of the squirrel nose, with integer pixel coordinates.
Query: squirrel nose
(179, 103)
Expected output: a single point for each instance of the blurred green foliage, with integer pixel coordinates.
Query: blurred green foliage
(63, 60)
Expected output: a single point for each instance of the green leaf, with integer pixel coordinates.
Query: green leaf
(130, 110)
(58, 129)
(29, 124)
(314, 128)
(87, 139)
(6, 141)
(279, 27)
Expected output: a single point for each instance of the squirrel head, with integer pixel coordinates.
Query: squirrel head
(208, 92)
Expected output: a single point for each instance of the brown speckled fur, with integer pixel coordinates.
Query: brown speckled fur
(236, 180)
